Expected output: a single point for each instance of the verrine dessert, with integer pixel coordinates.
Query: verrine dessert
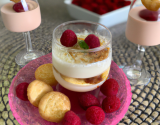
(81, 55)
(23, 16)
(143, 27)
(16, 20)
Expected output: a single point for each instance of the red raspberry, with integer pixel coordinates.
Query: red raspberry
(126, 3)
(149, 15)
(88, 1)
(111, 104)
(68, 38)
(102, 9)
(99, 1)
(107, 2)
(21, 91)
(95, 115)
(71, 118)
(113, 7)
(123, 3)
(87, 7)
(120, 4)
(18, 7)
(87, 100)
(92, 41)
(76, 2)
(94, 6)
(109, 87)
(115, 1)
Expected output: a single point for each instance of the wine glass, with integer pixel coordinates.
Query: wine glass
(142, 29)
(28, 19)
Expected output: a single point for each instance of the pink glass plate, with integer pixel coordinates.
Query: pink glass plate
(27, 114)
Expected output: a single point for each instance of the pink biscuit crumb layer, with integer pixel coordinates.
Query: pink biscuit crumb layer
(30, 113)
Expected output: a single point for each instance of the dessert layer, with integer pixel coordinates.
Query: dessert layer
(81, 70)
(81, 64)
(92, 80)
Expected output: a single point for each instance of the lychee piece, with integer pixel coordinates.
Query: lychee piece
(87, 100)
(21, 91)
(68, 38)
(111, 104)
(71, 118)
(92, 41)
(109, 87)
(95, 115)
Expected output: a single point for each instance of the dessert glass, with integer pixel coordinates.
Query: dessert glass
(143, 27)
(24, 22)
(81, 70)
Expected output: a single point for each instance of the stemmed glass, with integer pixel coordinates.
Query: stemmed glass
(24, 22)
(143, 29)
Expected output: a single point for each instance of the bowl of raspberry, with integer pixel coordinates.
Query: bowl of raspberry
(106, 12)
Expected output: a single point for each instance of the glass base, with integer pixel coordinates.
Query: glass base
(137, 77)
(23, 57)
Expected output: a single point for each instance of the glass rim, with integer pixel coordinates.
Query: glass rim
(84, 50)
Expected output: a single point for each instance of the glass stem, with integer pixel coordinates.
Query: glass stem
(28, 41)
(139, 57)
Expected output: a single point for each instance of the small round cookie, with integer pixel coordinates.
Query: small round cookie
(36, 90)
(45, 74)
(53, 106)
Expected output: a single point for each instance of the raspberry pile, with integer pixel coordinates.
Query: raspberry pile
(87, 100)
(101, 6)
(94, 113)
(110, 89)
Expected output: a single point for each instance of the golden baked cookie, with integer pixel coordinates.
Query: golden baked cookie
(45, 74)
(152, 5)
(93, 80)
(53, 106)
(36, 90)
